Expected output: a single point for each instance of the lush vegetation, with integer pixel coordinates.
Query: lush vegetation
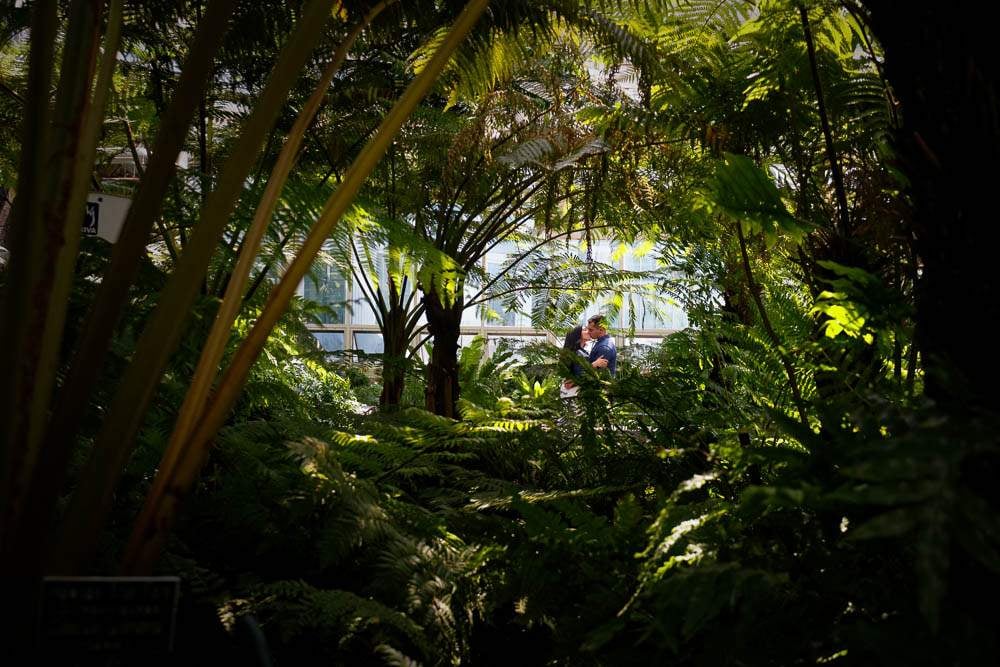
(805, 475)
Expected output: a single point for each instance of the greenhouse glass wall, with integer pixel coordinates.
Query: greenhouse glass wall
(348, 322)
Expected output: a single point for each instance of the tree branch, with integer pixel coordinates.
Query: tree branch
(838, 175)
(778, 347)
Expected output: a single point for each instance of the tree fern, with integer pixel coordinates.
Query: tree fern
(336, 622)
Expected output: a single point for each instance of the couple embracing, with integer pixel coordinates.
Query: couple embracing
(602, 354)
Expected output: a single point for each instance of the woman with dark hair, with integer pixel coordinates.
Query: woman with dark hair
(573, 338)
(576, 339)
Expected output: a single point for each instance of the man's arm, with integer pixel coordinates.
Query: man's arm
(599, 355)
(611, 354)
(596, 351)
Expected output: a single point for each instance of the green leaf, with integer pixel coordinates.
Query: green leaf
(741, 189)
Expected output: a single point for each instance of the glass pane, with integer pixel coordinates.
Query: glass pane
(501, 317)
(327, 287)
(331, 341)
(601, 251)
(362, 312)
(370, 343)
(670, 316)
(470, 316)
(514, 344)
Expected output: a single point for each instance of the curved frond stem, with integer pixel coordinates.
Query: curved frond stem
(372, 292)
(450, 233)
(569, 195)
(502, 230)
(420, 344)
(415, 315)
(159, 513)
(831, 153)
(864, 22)
(482, 158)
(490, 229)
(754, 289)
(168, 240)
(165, 327)
(522, 256)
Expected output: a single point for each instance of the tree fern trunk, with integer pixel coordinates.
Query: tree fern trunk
(942, 63)
(393, 382)
(397, 331)
(395, 338)
(444, 321)
(944, 69)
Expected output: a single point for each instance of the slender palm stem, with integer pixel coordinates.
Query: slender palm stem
(211, 355)
(163, 331)
(159, 513)
(130, 248)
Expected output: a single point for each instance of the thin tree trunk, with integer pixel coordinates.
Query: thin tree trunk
(168, 240)
(444, 322)
(45, 260)
(394, 358)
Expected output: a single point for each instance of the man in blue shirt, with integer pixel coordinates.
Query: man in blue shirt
(603, 354)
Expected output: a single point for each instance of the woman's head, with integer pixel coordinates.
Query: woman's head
(574, 339)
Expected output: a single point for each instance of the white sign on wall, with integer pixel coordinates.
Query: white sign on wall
(104, 215)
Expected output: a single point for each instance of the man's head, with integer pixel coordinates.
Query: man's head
(596, 326)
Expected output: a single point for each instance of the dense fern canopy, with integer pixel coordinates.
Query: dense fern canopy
(803, 474)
